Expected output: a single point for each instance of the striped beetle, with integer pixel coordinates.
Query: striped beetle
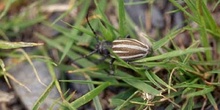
(127, 49)
(130, 49)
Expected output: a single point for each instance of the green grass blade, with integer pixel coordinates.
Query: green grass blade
(89, 96)
(175, 53)
(212, 100)
(161, 81)
(13, 45)
(200, 92)
(175, 3)
(203, 32)
(43, 96)
(96, 101)
(152, 80)
(8, 4)
(64, 14)
(100, 8)
(166, 39)
(126, 101)
(78, 22)
(140, 85)
(122, 20)
(209, 20)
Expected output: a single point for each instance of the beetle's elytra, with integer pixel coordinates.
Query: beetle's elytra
(130, 49)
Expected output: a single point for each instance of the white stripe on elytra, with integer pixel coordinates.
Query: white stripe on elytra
(118, 51)
(129, 46)
(130, 40)
(132, 56)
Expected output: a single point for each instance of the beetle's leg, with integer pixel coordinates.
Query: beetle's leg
(84, 56)
(128, 36)
(111, 66)
(101, 59)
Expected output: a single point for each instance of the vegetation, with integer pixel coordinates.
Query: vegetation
(172, 77)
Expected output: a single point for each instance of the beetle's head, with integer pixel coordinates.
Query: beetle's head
(103, 48)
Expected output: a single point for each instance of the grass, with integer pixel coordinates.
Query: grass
(173, 77)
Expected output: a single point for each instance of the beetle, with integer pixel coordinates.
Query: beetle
(127, 49)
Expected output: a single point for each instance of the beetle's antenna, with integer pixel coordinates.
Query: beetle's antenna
(87, 19)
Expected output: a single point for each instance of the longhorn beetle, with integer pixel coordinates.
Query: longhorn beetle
(127, 49)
